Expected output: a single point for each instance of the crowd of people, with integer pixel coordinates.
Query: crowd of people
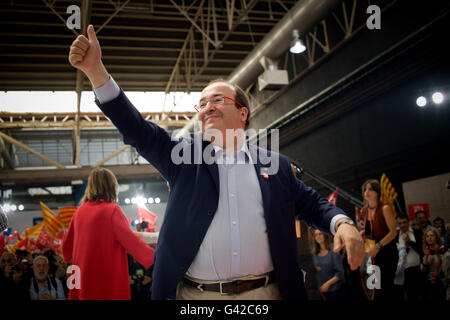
(422, 269)
(419, 270)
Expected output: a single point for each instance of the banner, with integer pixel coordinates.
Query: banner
(413, 208)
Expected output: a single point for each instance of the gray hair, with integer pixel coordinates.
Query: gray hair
(40, 257)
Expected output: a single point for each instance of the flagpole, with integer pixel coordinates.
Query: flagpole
(329, 185)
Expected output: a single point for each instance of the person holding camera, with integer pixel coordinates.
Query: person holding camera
(11, 280)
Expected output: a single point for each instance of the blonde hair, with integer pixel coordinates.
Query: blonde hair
(102, 186)
(438, 238)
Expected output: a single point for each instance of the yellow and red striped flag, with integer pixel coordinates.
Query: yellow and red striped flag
(388, 193)
(65, 215)
(33, 232)
(51, 221)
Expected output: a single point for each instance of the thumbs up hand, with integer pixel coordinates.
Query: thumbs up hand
(85, 54)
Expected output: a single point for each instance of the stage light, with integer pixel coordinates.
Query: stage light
(437, 97)
(133, 200)
(127, 200)
(21, 207)
(6, 207)
(297, 45)
(150, 200)
(13, 207)
(136, 221)
(157, 200)
(421, 101)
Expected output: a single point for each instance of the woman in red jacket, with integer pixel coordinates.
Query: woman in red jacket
(98, 240)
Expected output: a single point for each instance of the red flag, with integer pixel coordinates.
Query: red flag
(44, 239)
(2, 243)
(31, 245)
(57, 242)
(22, 244)
(16, 235)
(333, 197)
(146, 215)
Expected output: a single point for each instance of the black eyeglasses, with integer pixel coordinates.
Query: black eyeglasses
(214, 101)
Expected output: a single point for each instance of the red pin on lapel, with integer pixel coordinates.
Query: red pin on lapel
(265, 174)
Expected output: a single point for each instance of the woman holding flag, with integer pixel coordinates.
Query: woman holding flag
(379, 234)
(97, 242)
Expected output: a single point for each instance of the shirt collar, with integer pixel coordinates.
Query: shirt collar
(240, 156)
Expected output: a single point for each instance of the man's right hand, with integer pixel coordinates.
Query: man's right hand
(85, 54)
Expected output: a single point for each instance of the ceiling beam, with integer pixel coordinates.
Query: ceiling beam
(33, 175)
(30, 150)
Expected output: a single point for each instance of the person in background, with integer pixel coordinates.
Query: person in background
(379, 234)
(446, 272)
(13, 285)
(98, 239)
(330, 271)
(447, 236)
(439, 224)
(43, 286)
(305, 257)
(422, 221)
(431, 265)
(411, 239)
(140, 280)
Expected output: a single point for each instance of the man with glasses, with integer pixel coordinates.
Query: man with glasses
(228, 230)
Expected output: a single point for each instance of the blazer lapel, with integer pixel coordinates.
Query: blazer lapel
(212, 168)
(263, 181)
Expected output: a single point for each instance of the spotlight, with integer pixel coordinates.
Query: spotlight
(6, 207)
(127, 200)
(421, 101)
(21, 207)
(297, 45)
(133, 200)
(437, 97)
(13, 207)
(136, 221)
(150, 200)
(157, 200)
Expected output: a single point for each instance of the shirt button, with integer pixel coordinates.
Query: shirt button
(230, 171)
(235, 253)
(234, 222)
(232, 195)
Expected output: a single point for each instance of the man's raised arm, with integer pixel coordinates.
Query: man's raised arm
(85, 54)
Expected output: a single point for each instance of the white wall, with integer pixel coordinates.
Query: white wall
(22, 220)
(431, 190)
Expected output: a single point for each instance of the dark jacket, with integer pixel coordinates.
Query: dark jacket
(194, 197)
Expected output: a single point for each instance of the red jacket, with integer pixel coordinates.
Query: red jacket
(97, 242)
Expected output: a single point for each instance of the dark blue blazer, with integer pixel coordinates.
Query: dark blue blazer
(194, 197)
